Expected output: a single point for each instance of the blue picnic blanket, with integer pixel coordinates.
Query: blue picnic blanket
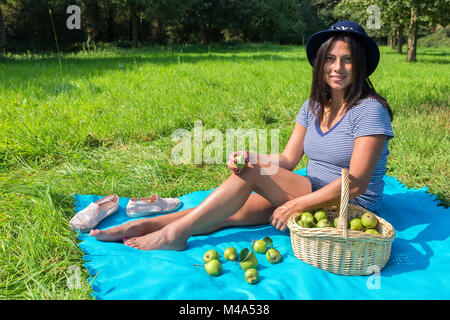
(418, 267)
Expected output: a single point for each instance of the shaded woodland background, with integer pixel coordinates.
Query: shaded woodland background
(27, 24)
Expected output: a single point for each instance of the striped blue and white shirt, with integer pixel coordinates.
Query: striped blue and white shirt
(331, 151)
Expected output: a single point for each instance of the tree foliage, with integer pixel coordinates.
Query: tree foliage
(132, 22)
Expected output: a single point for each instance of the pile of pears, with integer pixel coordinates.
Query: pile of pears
(366, 223)
(247, 259)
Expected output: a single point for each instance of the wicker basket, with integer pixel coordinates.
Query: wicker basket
(339, 250)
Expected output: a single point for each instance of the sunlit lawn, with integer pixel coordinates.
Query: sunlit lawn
(102, 124)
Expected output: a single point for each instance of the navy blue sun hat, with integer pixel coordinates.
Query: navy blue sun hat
(352, 28)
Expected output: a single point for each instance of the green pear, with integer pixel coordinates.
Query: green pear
(336, 222)
(213, 267)
(268, 241)
(251, 275)
(372, 231)
(308, 224)
(249, 262)
(230, 253)
(355, 224)
(259, 246)
(324, 223)
(369, 220)
(307, 216)
(240, 162)
(210, 255)
(273, 256)
(320, 214)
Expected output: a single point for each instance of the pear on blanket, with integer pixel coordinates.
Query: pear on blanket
(251, 275)
(212, 267)
(210, 255)
(247, 259)
(230, 253)
(260, 246)
(273, 256)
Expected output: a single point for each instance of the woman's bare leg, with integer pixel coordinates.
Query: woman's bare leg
(138, 227)
(255, 211)
(223, 202)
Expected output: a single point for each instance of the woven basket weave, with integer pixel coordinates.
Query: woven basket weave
(339, 250)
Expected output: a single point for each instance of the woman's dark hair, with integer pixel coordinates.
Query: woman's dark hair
(361, 87)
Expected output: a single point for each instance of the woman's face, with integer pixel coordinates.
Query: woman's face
(338, 66)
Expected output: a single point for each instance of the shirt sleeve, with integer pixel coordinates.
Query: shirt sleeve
(370, 118)
(302, 116)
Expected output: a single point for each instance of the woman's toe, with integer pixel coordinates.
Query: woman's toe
(94, 232)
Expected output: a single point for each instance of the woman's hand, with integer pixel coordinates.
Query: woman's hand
(232, 163)
(281, 215)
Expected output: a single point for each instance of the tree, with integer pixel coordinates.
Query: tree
(135, 10)
(412, 30)
(424, 12)
(2, 28)
(91, 19)
(324, 10)
(397, 16)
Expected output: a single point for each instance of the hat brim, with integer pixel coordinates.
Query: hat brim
(370, 46)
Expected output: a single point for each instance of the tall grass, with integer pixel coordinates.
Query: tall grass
(103, 125)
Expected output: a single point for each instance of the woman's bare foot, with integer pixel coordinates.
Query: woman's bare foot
(127, 230)
(112, 234)
(163, 239)
(138, 227)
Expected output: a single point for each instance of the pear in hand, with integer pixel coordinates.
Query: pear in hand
(240, 162)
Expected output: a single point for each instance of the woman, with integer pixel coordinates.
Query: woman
(344, 123)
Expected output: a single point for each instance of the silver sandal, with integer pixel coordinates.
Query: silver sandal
(139, 207)
(89, 217)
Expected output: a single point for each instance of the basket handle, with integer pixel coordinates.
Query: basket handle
(344, 202)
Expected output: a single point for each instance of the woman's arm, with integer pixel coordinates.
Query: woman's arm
(293, 152)
(366, 152)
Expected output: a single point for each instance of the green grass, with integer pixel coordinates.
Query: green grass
(103, 123)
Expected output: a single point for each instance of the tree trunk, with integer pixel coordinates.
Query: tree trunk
(134, 29)
(205, 33)
(2, 30)
(395, 38)
(91, 18)
(412, 32)
(158, 33)
(400, 39)
(111, 36)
